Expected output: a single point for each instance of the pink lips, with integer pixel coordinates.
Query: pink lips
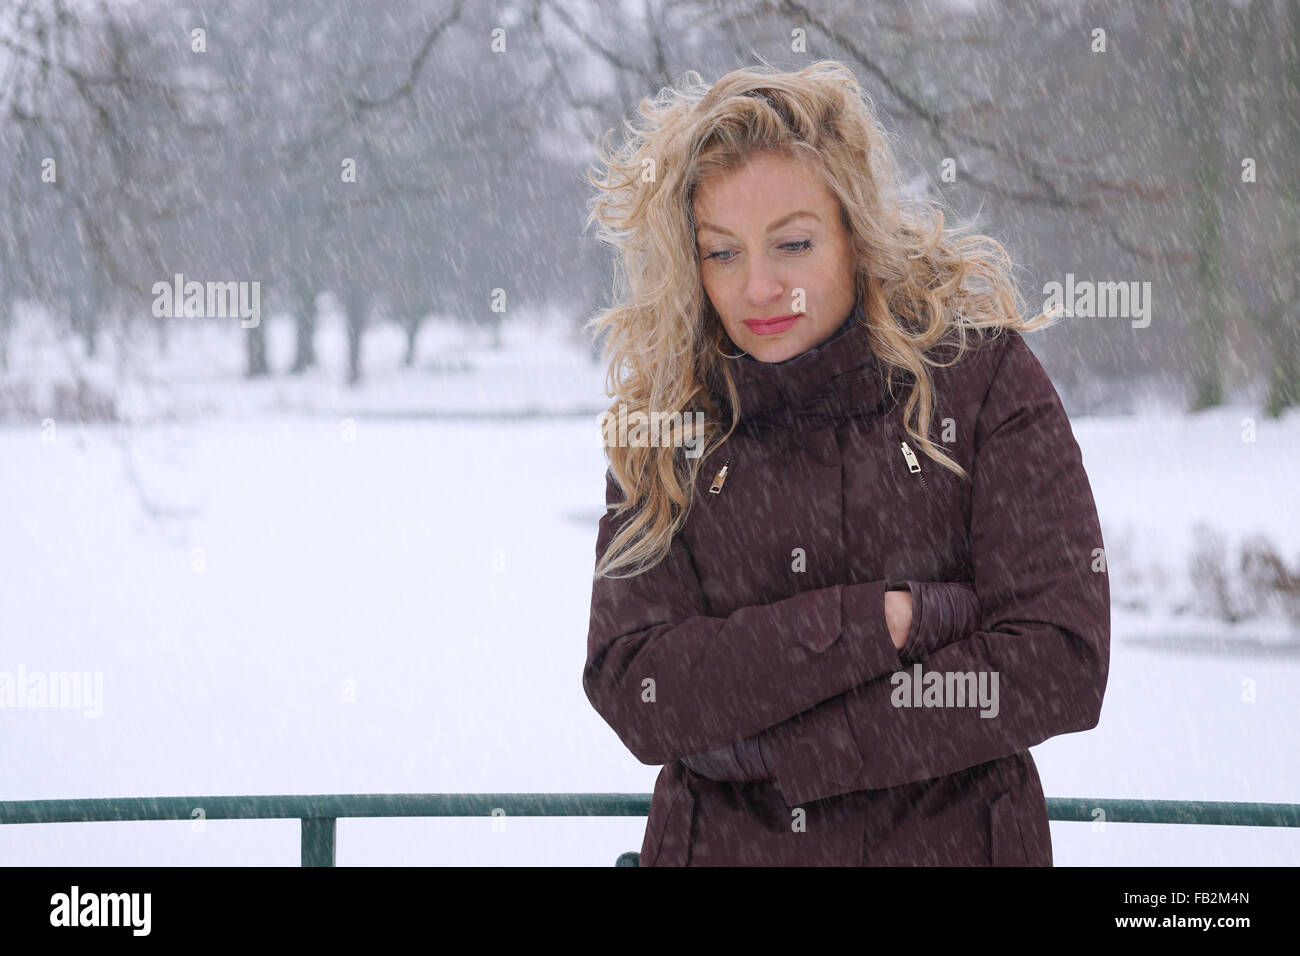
(774, 325)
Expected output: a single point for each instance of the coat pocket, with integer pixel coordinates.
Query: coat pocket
(815, 755)
(1006, 842)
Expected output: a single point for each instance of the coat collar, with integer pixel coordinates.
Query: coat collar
(838, 378)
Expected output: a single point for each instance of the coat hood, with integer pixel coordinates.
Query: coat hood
(838, 378)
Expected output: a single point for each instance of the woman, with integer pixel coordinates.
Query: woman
(841, 604)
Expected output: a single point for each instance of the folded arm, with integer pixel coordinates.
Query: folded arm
(1044, 631)
(942, 612)
(672, 680)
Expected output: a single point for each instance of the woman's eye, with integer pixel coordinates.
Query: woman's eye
(795, 248)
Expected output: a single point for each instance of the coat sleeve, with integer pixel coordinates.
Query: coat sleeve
(942, 612)
(672, 680)
(1044, 598)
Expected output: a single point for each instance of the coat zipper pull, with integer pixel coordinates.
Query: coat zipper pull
(719, 478)
(913, 465)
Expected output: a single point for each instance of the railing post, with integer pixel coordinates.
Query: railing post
(318, 841)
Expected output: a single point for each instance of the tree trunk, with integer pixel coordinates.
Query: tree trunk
(355, 304)
(412, 334)
(89, 338)
(6, 324)
(1204, 92)
(255, 343)
(1284, 325)
(304, 315)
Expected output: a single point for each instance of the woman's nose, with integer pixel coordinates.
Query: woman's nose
(763, 287)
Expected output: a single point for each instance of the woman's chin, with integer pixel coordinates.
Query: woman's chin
(772, 348)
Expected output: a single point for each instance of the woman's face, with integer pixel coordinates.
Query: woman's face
(771, 244)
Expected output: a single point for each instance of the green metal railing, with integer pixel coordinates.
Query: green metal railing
(319, 812)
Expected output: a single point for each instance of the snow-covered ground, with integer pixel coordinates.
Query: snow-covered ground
(282, 601)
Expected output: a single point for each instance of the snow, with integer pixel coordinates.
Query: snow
(277, 609)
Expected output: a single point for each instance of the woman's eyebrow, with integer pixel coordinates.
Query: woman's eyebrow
(776, 225)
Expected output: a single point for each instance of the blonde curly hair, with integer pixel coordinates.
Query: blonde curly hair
(919, 284)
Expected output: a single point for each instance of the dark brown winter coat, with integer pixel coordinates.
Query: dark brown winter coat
(757, 652)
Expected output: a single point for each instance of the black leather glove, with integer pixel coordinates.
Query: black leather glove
(739, 762)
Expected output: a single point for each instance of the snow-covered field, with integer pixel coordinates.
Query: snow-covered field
(280, 601)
